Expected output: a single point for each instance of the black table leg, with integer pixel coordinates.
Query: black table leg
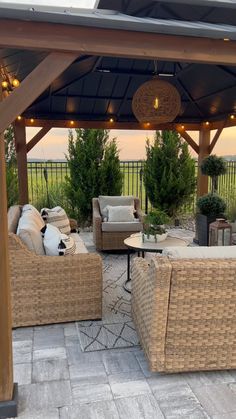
(128, 272)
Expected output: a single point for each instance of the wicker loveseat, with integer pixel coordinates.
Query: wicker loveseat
(185, 311)
(111, 236)
(52, 289)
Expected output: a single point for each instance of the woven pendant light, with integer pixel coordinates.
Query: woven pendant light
(156, 101)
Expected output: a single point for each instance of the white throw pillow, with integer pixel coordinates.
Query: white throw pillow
(57, 217)
(28, 230)
(113, 201)
(57, 243)
(30, 209)
(120, 213)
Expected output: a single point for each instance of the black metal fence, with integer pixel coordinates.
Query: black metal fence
(46, 180)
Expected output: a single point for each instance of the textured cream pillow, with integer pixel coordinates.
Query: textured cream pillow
(113, 201)
(120, 213)
(57, 217)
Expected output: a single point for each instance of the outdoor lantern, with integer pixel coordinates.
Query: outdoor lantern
(220, 233)
(156, 101)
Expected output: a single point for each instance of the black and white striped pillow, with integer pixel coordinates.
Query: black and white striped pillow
(57, 217)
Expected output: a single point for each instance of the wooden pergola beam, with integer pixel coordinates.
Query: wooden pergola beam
(204, 143)
(55, 123)
(216, 137)
(189, 139)
(37, 138)
(114, 42)
(106, 124)
(21, 157)
(33, 85)
(6, 362)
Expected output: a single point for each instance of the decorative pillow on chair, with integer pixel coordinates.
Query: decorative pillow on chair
(57, 217)
(120, 213)
(57, 243)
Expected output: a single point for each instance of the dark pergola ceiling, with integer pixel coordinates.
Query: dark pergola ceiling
(98, 88)
(211, 11)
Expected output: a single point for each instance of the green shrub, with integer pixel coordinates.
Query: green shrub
(11, 169)
(169, 172)
(94, 170)
(211, 204)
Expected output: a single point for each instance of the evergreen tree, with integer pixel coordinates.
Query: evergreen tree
(88, 156)
(111, 178)
(11, 172)
(169, 172)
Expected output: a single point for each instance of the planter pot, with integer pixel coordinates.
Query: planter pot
(154, 239)
(233, 227)
(202, 228)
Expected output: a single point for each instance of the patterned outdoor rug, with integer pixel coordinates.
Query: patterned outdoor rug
(116, 329)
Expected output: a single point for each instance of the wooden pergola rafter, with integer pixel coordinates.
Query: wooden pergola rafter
(64, 44)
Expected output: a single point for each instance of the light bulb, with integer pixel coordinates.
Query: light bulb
(156, 103)
(4, 84)
(32, 120)
(15, 82)
(111, 120)
(19, 117)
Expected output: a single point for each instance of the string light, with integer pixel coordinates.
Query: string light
(207, 123)
(32, 120)
(19, 117)
(15, 82)
(111, 120)
(4, 84)
(72, 122)
(232, 116)
(182, 126)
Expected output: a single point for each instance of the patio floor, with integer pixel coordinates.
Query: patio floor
(57, 380)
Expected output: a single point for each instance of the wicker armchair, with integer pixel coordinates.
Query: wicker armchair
(185, 313)
(111, 240)
(53, 289)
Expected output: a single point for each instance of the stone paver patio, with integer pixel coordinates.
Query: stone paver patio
(57, 380)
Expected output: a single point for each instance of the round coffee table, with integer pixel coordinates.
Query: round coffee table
(135, 242)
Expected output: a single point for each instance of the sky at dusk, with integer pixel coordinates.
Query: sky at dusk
(130, 143)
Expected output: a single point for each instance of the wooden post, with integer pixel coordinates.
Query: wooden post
(21, 155)
(204, 143)
(7, 405)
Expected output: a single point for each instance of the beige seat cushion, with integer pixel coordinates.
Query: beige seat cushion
(201, 252)
(80, 246)
(29, 232)
(122, 226)
(113, 201)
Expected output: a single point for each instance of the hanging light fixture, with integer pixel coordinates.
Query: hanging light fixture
(156, 101)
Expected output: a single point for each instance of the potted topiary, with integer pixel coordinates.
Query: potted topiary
(154, 226)
(210, 207)
(213, 166)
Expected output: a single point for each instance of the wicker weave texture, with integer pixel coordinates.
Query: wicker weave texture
(53, 289)
(111, 240)
(187, 319)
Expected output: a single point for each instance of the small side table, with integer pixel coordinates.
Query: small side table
(135, 242)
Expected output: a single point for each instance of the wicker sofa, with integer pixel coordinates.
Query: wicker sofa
(52, 289)
(111, 236)
(185, 310)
